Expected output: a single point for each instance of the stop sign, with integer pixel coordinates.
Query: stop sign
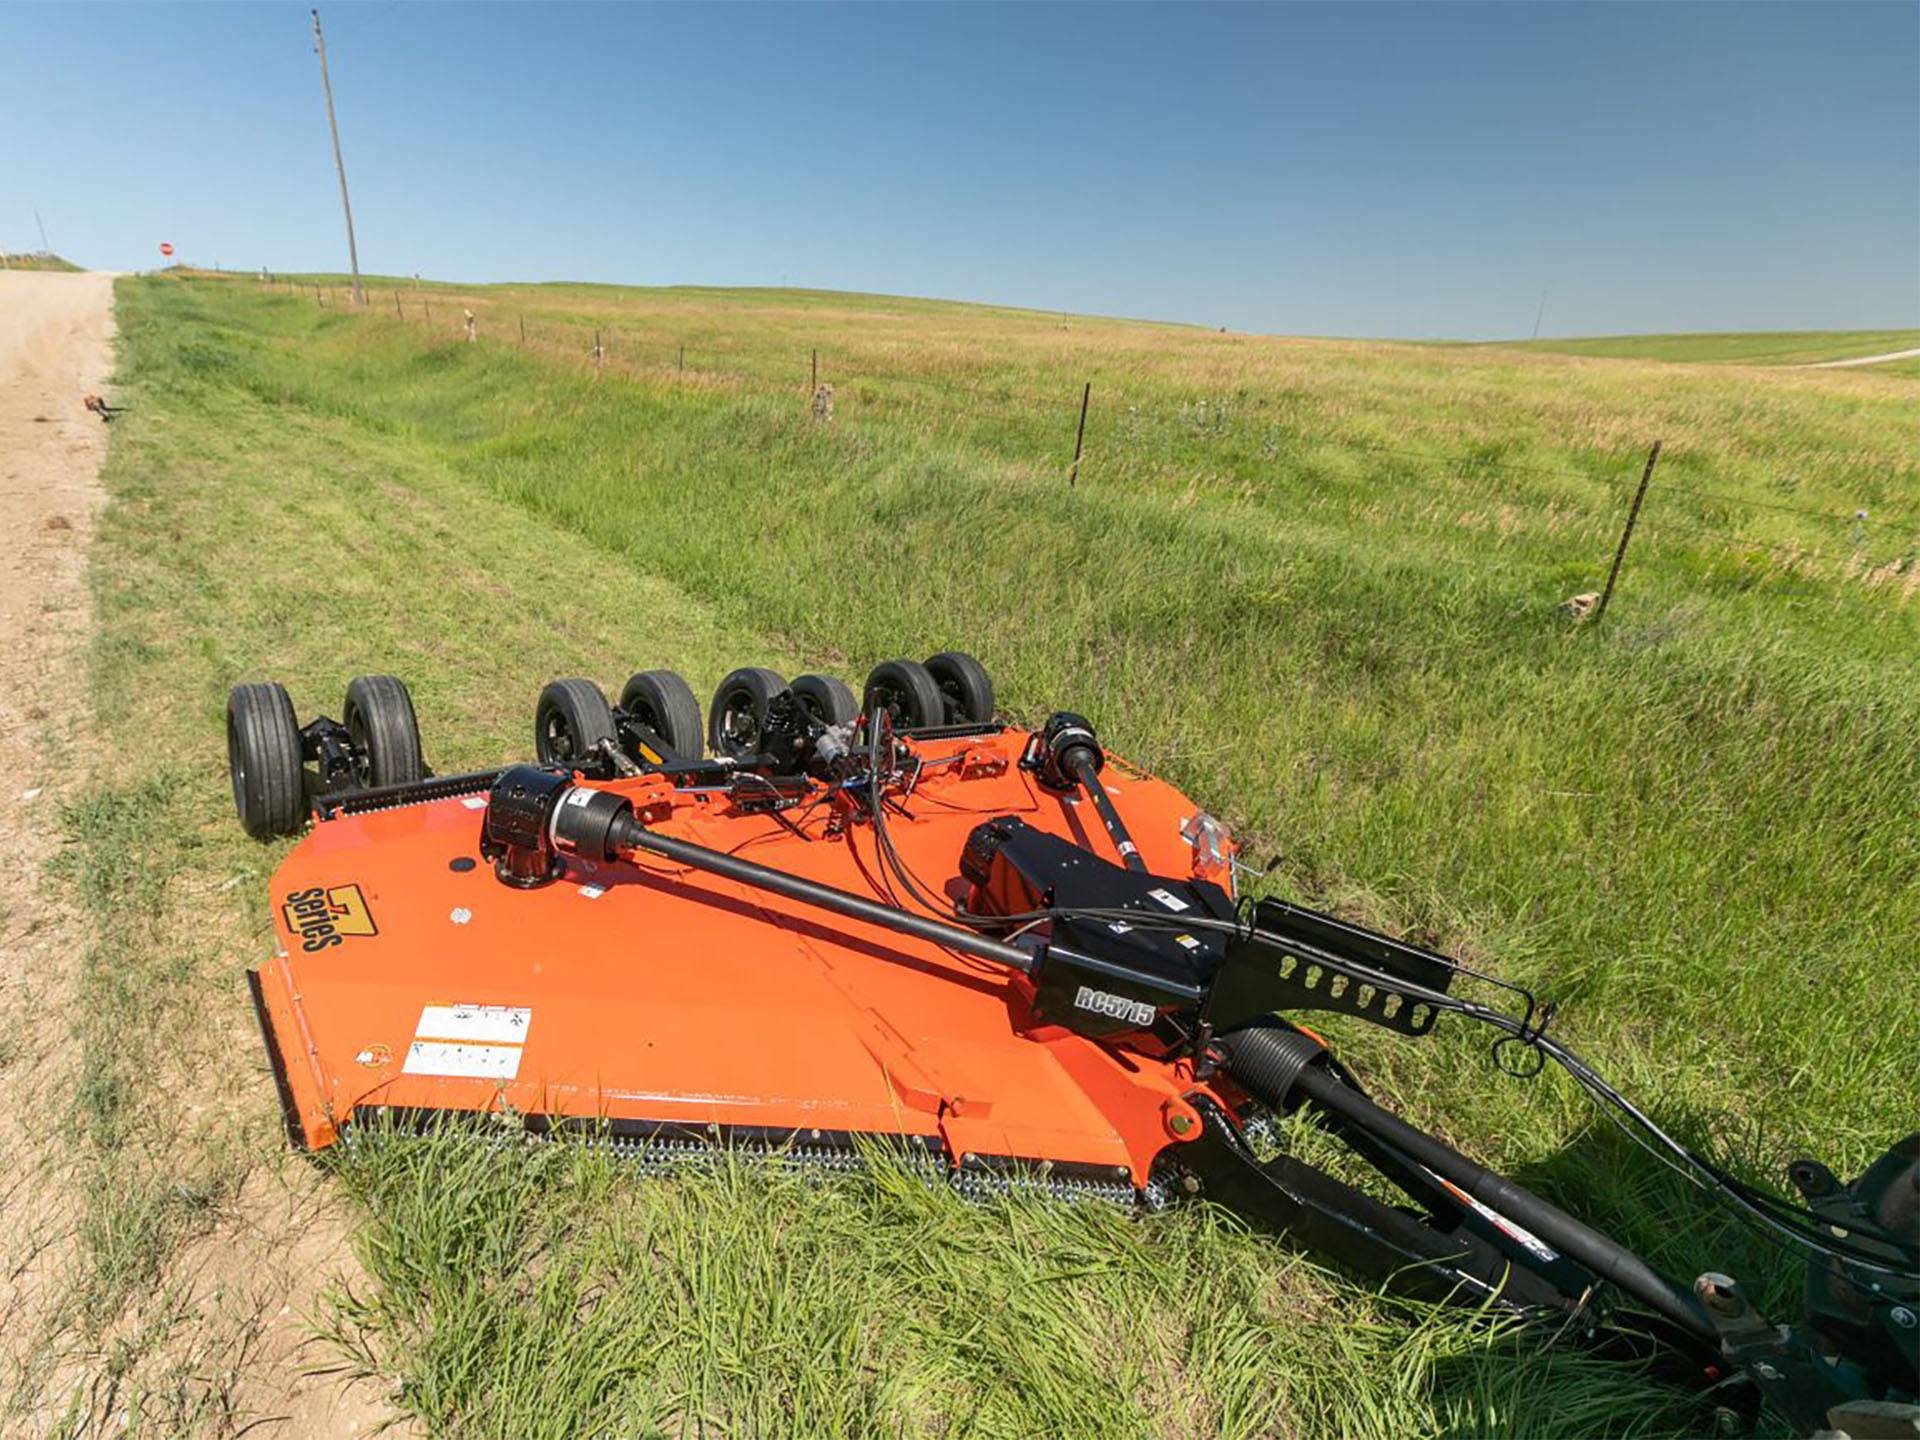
(166, 248)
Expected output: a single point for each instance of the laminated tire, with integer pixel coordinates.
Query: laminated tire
(964, 685)
(663, 702)
(263, 760)
(569, 724)
(826, 699)
(738, 714)
(907, 693)
(386, 736)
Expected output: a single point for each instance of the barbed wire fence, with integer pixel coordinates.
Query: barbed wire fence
(1845, 552)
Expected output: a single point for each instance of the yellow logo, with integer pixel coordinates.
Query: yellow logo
(327, 916)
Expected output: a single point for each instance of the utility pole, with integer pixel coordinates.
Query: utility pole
(1539, 314)
(326, 85)
(45, 248)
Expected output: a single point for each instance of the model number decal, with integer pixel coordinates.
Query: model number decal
(1114, 1007)
(327, 915)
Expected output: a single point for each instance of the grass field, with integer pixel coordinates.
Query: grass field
(1784, 347)
(1316, 584)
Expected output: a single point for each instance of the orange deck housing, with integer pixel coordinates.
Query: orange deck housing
(410, 978)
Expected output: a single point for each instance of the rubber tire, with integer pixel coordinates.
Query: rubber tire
(263, 760)
(664, 702)
(570, 721)
(966, 686)
(907, 691)
(826, 698)
(748, 689)
(379, 715)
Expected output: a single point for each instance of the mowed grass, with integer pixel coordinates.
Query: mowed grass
(1315, 584)
(1756, 347)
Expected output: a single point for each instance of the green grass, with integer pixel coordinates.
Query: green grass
(1314, 583)
(1757, 347)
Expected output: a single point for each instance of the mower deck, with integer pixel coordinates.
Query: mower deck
(658, 1000)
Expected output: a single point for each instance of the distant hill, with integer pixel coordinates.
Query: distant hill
(40, 260)
(1778, 347)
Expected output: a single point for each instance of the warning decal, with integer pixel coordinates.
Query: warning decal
(481, 1062)
(472, 1041)
(498, 1024)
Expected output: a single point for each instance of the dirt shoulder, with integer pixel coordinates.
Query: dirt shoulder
(215, 1344)
(56, 347)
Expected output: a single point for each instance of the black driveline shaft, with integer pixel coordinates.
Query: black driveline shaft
(630, 834)
(1088, 774)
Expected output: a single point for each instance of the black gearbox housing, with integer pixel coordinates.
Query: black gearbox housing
(1102, 977)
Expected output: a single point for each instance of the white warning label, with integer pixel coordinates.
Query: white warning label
(493, 1024)
(443, 1057)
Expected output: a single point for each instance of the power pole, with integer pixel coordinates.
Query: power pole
(45, 248)
(353, 252)
(1539, 314)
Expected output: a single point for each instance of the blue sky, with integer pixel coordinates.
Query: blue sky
(1364, 169)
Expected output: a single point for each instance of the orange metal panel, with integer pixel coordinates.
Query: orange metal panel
(413, 978)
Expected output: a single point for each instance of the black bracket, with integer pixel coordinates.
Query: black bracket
(1298, 959)
(337, 763)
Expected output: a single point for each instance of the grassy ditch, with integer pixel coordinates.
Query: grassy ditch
(1691, 826)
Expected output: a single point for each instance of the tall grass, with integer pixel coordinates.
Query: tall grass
(1692, 825)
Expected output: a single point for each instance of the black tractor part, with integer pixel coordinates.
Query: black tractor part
(573, 725)
(381, 727)
(263, 760)
(737, 718)
(965, 687)
(663, 702)
(905, 692)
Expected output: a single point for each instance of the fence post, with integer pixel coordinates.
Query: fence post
(683, 357)
(398, 314)
(523, 329)
(1079, 435)
(1633, 514)
(815, 379)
